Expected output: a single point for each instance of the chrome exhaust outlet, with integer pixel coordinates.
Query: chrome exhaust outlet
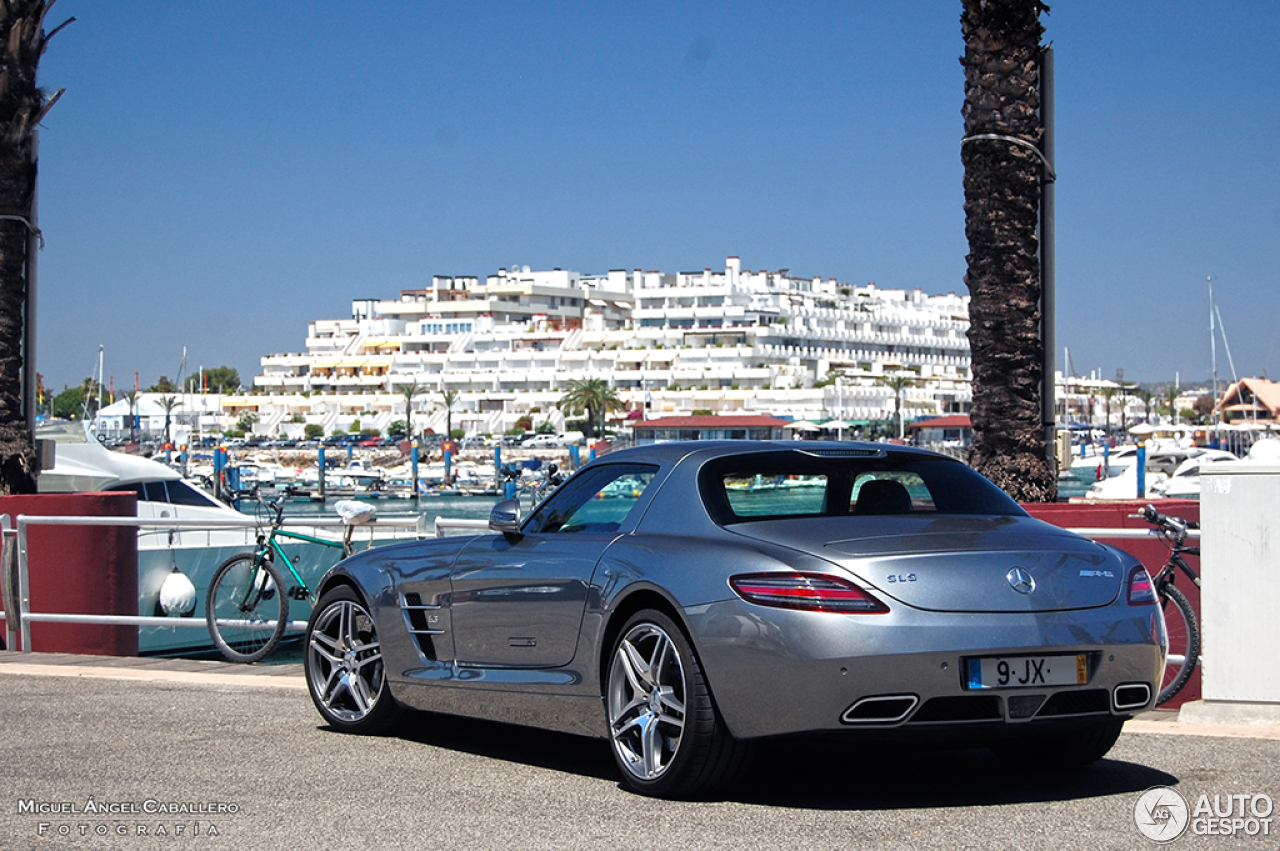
(881, 709)
(1129, 696)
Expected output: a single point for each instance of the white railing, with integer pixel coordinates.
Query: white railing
(16, 536)
(442, 524)
(1103, 532)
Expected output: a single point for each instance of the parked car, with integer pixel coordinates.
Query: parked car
(686, 600)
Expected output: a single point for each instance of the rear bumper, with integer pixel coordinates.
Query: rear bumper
(777, 672)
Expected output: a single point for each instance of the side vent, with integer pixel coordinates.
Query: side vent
(417, 620)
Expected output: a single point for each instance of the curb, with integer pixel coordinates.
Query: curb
(183, 677)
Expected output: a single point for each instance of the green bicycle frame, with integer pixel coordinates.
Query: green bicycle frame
(274, 546)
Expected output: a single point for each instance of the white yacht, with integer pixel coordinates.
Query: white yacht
(1185, 481)
(1162, 465)
(1095, 464)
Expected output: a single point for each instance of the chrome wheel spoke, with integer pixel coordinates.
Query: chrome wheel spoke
(627, 715)
(659, 659)
(359, 691)
(653, 748)
(330, 690)
(326, 647)
(634, 666)
(344, 624)
(374, 656)
(668, 701)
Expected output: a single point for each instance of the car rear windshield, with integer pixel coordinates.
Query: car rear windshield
(775, 485)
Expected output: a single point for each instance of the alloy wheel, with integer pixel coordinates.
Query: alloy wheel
(646, 701)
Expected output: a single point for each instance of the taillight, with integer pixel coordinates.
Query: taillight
(815, 592)
(1142, 592)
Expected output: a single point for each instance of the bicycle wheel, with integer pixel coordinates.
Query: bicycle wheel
(247, 609)
(1184, 643)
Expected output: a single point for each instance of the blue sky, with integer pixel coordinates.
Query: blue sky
(217, 175)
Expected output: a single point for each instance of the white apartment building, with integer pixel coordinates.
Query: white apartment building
(725, 341)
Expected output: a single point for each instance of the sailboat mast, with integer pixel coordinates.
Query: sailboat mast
(102, 376)
(1213, 359)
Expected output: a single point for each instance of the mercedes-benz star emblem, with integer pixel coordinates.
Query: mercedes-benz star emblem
(1021, 581)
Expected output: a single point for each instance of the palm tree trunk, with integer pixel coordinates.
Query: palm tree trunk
(1002, 197)
(22, 106)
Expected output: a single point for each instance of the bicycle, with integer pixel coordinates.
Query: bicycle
(538, 488)
(247, 607)
(1180, 619)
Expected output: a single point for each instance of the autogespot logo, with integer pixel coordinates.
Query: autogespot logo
(1161, 814)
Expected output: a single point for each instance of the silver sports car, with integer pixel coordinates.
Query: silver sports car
(685, 600)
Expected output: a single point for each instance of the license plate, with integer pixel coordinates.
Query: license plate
(1028, 671)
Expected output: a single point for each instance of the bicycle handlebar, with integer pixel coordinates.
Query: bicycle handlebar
(1173, 528)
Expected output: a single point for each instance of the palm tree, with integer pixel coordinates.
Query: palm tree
(132, 398)
(1108, 393)
(1123, 392)
(832, 377)
(22, 107)
(410, 392)
(168, 403)
(450, 397)
(595, 397)
(1002, 173)
(1170, 398)
(1146, 397)
(897, 383)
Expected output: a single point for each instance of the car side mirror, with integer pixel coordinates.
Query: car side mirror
(505, 517)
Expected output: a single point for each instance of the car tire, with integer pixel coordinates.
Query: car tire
(344, 669)
(1059, 749)
(665, 733)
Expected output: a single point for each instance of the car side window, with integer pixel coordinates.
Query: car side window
(777, 494)
(598, 500)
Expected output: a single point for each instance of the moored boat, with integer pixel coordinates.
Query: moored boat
(83, 464)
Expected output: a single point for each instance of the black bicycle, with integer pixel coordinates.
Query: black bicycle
(1179, 618)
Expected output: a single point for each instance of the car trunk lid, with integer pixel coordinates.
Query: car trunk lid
(959, 563)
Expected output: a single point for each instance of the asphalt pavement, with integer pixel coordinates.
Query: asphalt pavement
(101, 753)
